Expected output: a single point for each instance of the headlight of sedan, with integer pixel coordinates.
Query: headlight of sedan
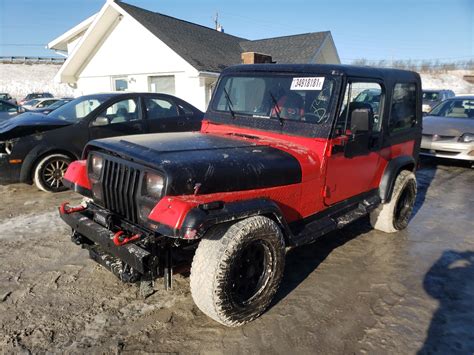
(467, 138)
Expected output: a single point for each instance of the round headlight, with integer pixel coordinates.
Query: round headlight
(97, 165)
(153, 185)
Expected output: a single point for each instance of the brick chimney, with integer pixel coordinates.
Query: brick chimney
(256, 58)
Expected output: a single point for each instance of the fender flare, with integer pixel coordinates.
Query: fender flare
(393, 168)
(199, 219)
(32, 157)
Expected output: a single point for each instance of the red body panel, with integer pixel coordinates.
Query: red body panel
(171, 210)
(76, 173)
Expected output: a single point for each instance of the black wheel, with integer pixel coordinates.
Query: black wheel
(395, 215)
(237, 270)
(49, 172)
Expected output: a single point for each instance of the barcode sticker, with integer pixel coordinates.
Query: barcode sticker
(311, 83)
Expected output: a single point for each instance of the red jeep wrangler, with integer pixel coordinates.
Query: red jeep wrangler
(286, 154)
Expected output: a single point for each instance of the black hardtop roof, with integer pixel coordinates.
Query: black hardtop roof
(331, 69)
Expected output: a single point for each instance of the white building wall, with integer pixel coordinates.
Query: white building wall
(133, 52)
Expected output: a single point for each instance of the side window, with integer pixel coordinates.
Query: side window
(121, 112)
(403, 109)
(160, 108)
(361, 95)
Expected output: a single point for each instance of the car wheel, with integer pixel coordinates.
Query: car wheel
(394, 216)
(49, 172)
(237, 269)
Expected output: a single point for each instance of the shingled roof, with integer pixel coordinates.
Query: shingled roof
(209, 50)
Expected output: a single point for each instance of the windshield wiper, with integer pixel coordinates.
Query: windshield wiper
(229, 103)
(277, 108)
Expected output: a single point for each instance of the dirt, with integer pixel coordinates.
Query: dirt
(354, 291)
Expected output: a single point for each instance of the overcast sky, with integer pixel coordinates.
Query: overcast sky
(372, 29)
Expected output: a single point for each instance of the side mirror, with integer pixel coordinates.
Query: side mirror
(360, 120)
(100, 121)
(20, 109)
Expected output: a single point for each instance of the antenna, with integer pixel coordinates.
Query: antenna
(216, 21)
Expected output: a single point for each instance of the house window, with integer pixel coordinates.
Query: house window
(162, 84)
(120, 84)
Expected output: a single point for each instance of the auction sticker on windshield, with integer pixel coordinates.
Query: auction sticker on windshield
(311, 83)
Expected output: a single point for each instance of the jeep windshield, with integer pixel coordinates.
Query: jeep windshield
(285, 99)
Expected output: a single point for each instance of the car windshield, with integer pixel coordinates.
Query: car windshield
(31, 102)
(57, 104)
(77, 109)
(430, 96)
(455, 109)
(302, 98)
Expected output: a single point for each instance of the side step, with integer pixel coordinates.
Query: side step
(331, 219)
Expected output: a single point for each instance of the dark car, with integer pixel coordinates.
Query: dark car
(38, 148)
(8, 110)
(47, 109)
(35, 95)
(431, 98)
(7, 97)
(286, 155)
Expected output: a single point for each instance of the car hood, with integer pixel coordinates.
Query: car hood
(207, 162)
(447, 126)
(28, 123)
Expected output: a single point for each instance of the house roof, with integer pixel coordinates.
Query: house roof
(209, 50)
(204, 48)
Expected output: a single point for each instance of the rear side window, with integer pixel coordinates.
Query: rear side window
(403, 109)
(160, 108)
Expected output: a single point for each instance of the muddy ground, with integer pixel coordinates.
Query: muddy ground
(355, 291)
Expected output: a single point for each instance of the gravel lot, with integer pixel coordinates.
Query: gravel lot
(355, 291)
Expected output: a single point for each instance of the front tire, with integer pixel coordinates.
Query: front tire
(394, 216)
(237, 269)
(49, 172)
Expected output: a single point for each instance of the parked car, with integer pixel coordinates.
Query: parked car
(286, 154)
(448, 131)
(38, 103)
(7, 97)
(49, 108)
(8, 110)
(38, 148)
(35, 95)
(433, 97)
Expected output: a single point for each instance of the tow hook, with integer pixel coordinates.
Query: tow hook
(65, 209)
(120, 239)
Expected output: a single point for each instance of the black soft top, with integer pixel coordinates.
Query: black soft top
(330, 69)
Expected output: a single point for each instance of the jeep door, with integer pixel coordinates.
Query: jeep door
(120, 117)
(167, 114)
(354, 159)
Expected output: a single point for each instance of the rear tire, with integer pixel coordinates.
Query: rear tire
(237, 269)
(394, 216)
(49, 172)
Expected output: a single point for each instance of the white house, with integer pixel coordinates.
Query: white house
(124, 47)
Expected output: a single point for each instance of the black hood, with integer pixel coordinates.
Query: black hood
(29, 123)
(215, 163)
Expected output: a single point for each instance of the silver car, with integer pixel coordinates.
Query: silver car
(448, 130)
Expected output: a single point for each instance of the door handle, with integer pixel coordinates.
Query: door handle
(180, 123)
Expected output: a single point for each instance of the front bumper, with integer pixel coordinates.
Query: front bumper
(9, 173)
(447, 149)
(131, 254)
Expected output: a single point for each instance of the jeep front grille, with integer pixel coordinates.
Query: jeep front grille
(120, 185)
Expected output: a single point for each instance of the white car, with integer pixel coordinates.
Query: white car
(448, 130)
(38, 103)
